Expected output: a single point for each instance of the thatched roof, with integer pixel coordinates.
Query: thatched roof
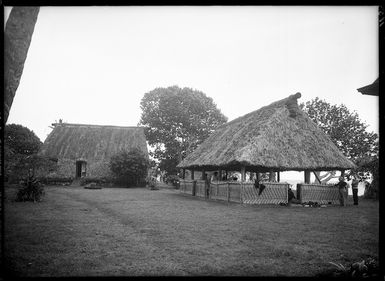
(92, 142)
(276, 137)
(371, 89)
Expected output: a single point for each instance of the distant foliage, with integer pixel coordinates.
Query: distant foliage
(366, 167)
(178, 120)
(98, 181)
(56, 180)
(31, 190)
(345, 128)
(367, 268)
(349, 134)
(21, 140)
(130, 167)
(20, 153)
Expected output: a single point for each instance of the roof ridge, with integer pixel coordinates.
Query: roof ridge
(92, 125)
(288, 100)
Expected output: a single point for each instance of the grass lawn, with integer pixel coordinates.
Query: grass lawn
(117, 231)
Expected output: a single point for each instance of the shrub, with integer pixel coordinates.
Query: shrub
(173, 179)
(97, 181)
(367, 268)
(56, 180)
(31, 190)
(151, 182)
(130, 167)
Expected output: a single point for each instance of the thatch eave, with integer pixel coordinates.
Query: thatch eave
(261, 169)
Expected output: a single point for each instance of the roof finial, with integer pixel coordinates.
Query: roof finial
(292, 104)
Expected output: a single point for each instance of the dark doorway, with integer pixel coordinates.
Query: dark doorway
(81, 169)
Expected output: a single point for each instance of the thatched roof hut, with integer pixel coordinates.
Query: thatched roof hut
(85, 150)
(277, 137)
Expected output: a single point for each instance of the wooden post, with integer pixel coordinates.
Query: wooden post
(228, 192)
(241, 193)
(192, 174)
(194, 188)
(307, 176)
(243, 173)
(203, 174)
(226, 174)
(278, 177)
(257, 176)
(183, 173)
(271, 176)
(220, 175)
(342, 173)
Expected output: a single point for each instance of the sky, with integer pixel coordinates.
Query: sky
(92, 65)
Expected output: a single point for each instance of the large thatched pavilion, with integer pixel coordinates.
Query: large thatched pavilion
(85, 150)
(274, 138)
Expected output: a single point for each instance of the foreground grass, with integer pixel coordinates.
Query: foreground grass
(116, 231)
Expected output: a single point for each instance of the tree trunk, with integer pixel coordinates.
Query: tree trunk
(17, 38)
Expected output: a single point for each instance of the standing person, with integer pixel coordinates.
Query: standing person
(354, 184)
(342, 185)
(215, 177)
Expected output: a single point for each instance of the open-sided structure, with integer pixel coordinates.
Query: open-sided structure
(274, 138)
(85, 150)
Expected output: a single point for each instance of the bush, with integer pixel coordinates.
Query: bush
(130, 167)
(56, 180)
(98, 181)
(151, 182)
(173, 179)
(31, 190)
(367, 268)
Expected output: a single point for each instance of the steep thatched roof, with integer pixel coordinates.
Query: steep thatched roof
(279, 136)
(92, 142)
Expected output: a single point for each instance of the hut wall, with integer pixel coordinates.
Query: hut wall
(321, 193)
(67, 168)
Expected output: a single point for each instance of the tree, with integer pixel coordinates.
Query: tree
(17, 38)
(177, 121)
(129, 167)
(347, 132)
(20, 146)
(21, 140)
(345, 128)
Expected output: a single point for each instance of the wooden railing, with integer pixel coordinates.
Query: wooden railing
(241, 192)
(320, 193)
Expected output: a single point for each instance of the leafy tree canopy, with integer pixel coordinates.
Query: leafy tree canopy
(21, 140)
(178, 120)
(345, 129)
(20, 148)
(130, 167)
